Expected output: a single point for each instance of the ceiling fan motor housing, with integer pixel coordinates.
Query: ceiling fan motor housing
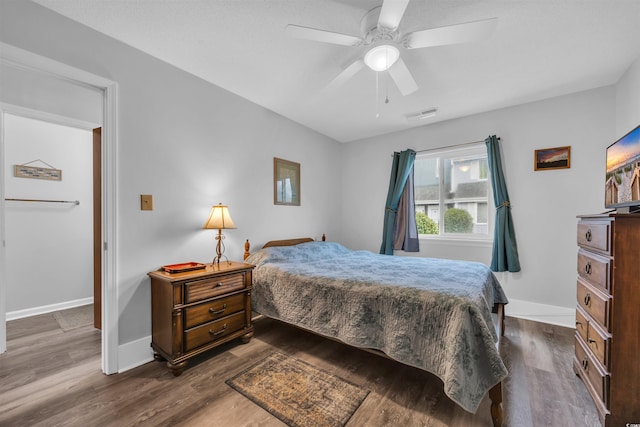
(374, 34)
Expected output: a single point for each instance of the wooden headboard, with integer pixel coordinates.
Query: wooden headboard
(285, 242)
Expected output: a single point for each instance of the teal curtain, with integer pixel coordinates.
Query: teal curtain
(400, 169)
(505, 249)
(405, 229)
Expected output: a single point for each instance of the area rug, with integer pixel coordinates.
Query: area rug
(299, 394)
(73, 318)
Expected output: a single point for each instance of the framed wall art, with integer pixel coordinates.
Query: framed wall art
(286, 182)
(552, 158)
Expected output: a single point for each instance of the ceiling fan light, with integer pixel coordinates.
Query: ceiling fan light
(382, 57)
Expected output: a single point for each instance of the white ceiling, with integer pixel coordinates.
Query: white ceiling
(540, 49)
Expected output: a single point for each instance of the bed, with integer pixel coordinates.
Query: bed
(433, 314)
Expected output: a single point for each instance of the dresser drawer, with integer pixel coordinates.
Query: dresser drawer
(595, 269)
(596, 303)
(213, 331)
(209, 311)
(598, 342)
(595, 235)
(592, 371)
(582, 323)
(207, 288)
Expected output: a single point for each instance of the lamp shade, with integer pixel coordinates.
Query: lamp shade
(380, 58)
(219, 218)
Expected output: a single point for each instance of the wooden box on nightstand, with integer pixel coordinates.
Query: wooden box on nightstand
(195, 311)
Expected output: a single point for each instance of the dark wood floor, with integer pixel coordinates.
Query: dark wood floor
(52, 378)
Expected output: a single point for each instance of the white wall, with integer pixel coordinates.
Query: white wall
(191, 145)
(49, 246)
(544, 204)
(628, 100)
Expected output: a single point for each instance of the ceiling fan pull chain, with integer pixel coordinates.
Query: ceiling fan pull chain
(386, 80)
(386, 99)
(377, 96)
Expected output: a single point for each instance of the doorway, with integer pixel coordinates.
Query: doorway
(108, 93)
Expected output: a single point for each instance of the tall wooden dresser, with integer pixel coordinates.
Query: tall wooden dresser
(607, 340)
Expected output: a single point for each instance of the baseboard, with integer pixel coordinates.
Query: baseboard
(34, 311)
(544, 313)
(134, 354)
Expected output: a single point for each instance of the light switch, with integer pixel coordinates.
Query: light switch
(146, 202)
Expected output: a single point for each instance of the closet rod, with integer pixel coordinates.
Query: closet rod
(75, 202)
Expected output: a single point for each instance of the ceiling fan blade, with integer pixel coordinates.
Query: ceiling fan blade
(403, 78)
(316, 35)
(345, 75)
(452, 34)
(391, 13)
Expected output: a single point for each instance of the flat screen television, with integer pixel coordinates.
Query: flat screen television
(622, 182)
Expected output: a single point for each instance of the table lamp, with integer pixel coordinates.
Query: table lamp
(219, 219)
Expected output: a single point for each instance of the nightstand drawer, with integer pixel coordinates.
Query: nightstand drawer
(596, 303)
(209, 311)
(597, 377)
(213, 331)
(208, 288)
(594, 268)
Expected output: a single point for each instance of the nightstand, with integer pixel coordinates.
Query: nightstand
(195, 311)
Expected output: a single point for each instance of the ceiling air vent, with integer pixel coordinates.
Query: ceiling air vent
(422, 115)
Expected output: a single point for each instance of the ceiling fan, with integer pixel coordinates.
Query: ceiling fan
(383, 41)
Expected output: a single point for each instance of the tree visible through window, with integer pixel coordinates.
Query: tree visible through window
(452, 192)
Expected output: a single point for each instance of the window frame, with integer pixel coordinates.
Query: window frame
(464, 150)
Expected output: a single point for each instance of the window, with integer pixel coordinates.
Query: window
(452, 193)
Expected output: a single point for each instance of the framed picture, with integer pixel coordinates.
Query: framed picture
(286, 182)
(552, 158)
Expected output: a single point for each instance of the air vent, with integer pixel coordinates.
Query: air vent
(422, 115)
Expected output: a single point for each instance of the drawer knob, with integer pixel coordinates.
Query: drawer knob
(578, 323)
(587, 268)
(218, 284)
(221, 331)
(212, 311)
(591, 341)
(588, 235)
(585, 363)
(587, 299)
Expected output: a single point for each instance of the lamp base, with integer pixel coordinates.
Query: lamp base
(219, 249)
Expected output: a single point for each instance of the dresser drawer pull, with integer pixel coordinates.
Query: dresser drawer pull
(585, 363)
(588, 235)
(219, 284)
(591, 341)
(221, 331)
(587, 268)
(587, 299)
(578, 323)
(212, 311)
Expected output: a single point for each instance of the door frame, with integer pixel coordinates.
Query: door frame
(20, 58)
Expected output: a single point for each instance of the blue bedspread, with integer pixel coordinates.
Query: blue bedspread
(433, 314)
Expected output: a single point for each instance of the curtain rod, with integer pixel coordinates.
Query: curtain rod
(452, 146)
